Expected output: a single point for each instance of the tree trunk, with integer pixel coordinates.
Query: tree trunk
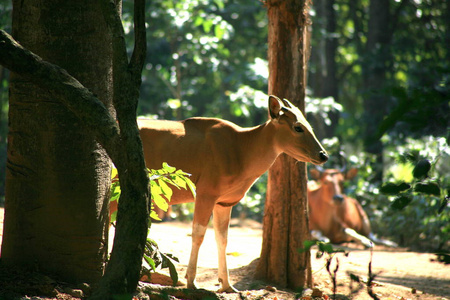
(285, 218)
(376, 104)
(57, 186)
(325, 81)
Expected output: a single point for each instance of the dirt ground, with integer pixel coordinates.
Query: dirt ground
(401, 274)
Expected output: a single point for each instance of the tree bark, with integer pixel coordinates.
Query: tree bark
(124, 147)
(285, 219)
(377, 60)
(325, 81)
(57, 179)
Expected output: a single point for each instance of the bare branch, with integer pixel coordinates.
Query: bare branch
(140, 42)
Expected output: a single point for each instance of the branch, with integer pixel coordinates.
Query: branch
(140, 42)
(82, 102)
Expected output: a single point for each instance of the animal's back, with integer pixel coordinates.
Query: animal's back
(198, 146)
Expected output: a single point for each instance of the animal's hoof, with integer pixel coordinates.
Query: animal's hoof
(368, 244)
(192, 285)
(230, 289)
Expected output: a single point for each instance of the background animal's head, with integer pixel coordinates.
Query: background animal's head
(332, 180)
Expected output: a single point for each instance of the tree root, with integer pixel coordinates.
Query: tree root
(159, 292)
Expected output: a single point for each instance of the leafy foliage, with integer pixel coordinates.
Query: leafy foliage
(161, 193)
(411, 205)
(209, 58)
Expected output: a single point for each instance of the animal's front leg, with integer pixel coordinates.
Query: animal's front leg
(221, 221)
(202, 213)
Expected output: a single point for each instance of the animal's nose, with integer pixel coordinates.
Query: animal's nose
(323, 156)
(338, 198)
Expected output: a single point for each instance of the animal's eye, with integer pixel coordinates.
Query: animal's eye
(298, 128)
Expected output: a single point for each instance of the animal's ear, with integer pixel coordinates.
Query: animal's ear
(315, 174)
(275, 105)
(287, 103)
(351, 173)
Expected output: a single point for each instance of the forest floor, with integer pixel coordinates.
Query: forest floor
(400, 274)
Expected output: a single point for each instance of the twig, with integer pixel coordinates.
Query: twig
(333, 274)
(371, 279)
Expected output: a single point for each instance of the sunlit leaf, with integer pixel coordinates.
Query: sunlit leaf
(207, 24)
(113, 217)
(114, 173)
(160, 201)
(166, 190)
(150, 262)
(168, 168)
(154, 216)
(179, 182)
(219, 31)
(191, 186)
(220, 4)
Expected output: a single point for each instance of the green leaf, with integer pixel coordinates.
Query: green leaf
(430, 188)
(422, 168)
(219, 4)
(179, 182)
(114, 173)
(168, 168)
(166, 190)
(191, 186)
(328, 248)
(401, 202)
(219, 31)
(167, 263)
(207, 24)
(160, 201)
(307, 246)
(150, 262)
(154, 216)
(444, 204)
(394, 188)
(155, 188)
(198, 21)
(113, 216)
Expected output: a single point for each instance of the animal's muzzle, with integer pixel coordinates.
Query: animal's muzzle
(338, 198)
(323, 156)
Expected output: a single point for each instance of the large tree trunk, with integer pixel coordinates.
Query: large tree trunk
(285, 218)
(57, 186)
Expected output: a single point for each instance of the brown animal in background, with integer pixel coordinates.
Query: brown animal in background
(225, 160)
(335, 215)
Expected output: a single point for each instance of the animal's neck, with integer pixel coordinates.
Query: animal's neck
(259, 148)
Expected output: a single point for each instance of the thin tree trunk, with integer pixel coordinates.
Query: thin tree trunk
(376, 103)
(285, 219)
(57, 180)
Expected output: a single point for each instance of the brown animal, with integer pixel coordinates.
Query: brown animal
(225, 160)
(338, 217)
(335, 215)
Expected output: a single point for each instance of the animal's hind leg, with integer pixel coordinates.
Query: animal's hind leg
(221, 221)
(202, 213)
